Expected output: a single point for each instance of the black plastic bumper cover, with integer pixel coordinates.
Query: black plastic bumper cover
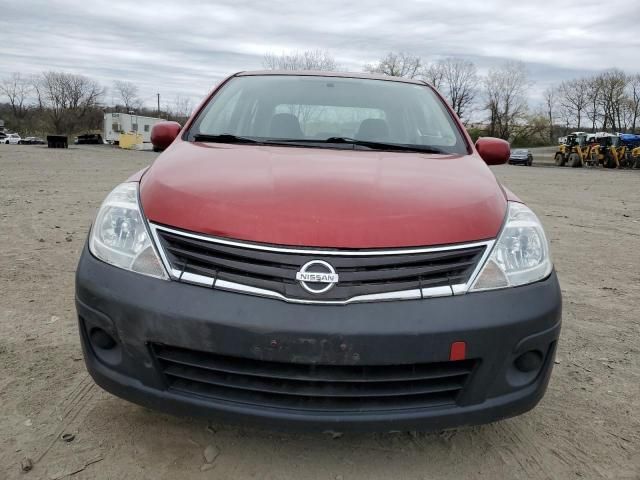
(497, 327)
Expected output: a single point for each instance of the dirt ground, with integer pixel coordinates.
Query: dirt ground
(587, 426)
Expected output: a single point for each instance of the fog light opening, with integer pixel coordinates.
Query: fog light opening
(530, 361)
(101, 339)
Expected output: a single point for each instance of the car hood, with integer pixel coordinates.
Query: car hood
(323, 198)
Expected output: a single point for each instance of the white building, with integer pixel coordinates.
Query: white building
(117, 123)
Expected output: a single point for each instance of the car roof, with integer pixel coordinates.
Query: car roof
(320, 73)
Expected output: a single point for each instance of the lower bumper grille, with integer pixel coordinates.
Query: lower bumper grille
(331, 388)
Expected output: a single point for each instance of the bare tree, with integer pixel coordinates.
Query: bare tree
(459, 80)
(612, 85)
(127, 93)
(505, 90)
(181, 110)
(307, 60)
(36, 84)
(573, 95)
(397, 65)
(434, 75)
(593, 88)
(633, 93)
(550, 95)
(17, 89)
(68, 98)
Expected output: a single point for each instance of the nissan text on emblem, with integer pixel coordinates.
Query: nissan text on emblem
(317, 276)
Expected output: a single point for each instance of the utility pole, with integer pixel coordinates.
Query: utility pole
(158, 95)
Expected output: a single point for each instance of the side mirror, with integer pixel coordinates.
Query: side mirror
(493, 151)
(163, 134)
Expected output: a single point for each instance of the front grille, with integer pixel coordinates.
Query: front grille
(331, 388)
(359, 274)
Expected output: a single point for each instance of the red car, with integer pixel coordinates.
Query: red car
(325, 251)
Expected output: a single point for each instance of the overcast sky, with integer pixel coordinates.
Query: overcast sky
(185, 47)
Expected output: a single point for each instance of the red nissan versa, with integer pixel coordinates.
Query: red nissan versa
(321, 251)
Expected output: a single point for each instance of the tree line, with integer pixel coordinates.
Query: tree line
(494, 104)
(608, 101)
(59, 102)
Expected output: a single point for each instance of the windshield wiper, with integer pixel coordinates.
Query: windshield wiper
(230, 138)
(223, 138)
(383, 145)
(369, 144)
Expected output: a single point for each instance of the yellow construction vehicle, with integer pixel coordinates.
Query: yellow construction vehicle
(615, 156)
(619, 156)
(575, 151)
(625, 146)
(600, 155)
(611, 152)
(600, 149)
(635, 156)
(597, 157)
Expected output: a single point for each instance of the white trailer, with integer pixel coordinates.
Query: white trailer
(117, 123)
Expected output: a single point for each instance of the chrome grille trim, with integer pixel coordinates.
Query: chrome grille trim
(414, 294)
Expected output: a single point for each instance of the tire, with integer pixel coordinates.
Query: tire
(560, 161)
(609, 162)
(575, 161)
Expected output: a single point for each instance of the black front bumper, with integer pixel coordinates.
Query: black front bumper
(143, 314)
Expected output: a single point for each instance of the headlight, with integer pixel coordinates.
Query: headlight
(521, 254)
(119, 235)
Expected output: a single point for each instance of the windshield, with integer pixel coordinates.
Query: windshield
(332, 112)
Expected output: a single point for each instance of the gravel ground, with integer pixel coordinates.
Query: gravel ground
(587, 425)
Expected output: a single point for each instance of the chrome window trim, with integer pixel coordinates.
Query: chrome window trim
(414, 294)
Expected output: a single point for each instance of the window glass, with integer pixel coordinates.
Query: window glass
(305, 108)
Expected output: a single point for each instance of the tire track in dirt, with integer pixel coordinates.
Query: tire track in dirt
(73, 405)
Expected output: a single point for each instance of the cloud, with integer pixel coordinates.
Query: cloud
(185, 48)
